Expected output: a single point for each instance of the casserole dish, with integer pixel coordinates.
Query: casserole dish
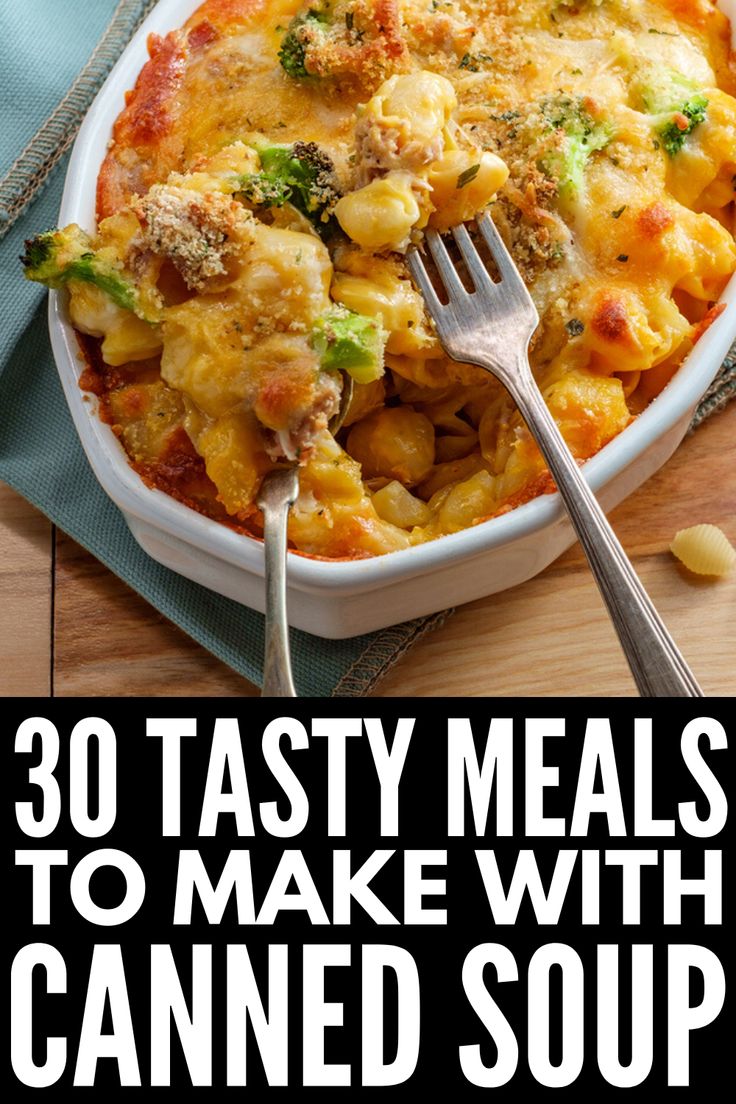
(333, 598)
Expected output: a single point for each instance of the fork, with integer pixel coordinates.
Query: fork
(279, 491)
(491, 327)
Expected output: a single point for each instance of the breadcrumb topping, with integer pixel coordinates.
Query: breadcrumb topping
(363, 40)
(197, 232)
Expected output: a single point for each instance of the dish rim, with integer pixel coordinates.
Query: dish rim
(123, 484)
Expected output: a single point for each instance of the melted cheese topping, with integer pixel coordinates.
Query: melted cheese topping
(603, 133)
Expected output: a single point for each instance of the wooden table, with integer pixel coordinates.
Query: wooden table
(70, 627)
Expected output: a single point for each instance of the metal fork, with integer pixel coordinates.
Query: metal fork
(279, 491)
(491, 327)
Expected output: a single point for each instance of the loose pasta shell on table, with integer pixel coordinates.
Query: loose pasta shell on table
(705, 550)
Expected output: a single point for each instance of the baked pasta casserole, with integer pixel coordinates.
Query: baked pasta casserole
(267, 175)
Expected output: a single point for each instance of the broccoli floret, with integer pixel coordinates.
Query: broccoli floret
(674, 133)
(675, 102)
(301, 174)
(57, 256)
(38, 258)
(350, 342)
(300, 31)
(577, 135)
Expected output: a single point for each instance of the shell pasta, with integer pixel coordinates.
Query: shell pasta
(705, 550)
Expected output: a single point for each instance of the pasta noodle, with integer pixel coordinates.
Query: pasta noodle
(705, 550)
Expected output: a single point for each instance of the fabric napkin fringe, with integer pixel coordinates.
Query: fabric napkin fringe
(32, 168)
(384, 652)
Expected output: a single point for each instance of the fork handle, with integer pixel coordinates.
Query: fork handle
(657, 665)
(277, 677)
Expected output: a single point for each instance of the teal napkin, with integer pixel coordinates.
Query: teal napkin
(40, 455)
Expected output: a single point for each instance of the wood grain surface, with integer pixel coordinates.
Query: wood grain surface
(70, 627)
(26, 587)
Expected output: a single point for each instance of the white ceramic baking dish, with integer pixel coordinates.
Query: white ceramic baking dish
(344, 599)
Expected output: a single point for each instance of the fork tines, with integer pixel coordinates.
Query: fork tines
(508, 292)
(476, 267)
(422, 280)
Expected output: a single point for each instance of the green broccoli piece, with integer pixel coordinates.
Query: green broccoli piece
(301, 174)
(349, 342)
(38, 257)
(577, 135)
(292, 53)
(57, 256)
(674, 133)
(675, 102)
